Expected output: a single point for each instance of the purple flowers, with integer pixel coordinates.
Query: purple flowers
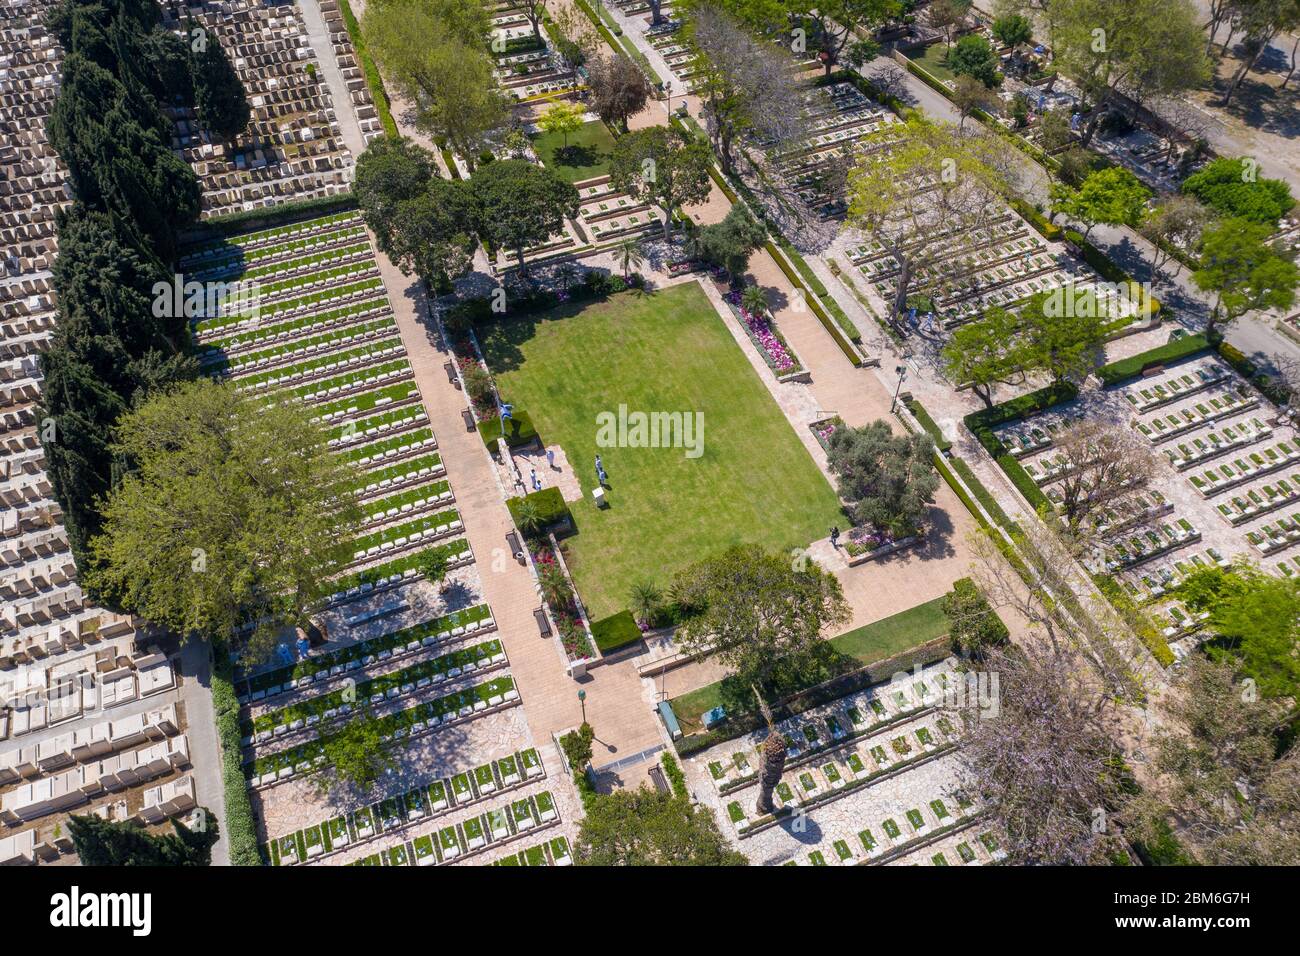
(760, 329)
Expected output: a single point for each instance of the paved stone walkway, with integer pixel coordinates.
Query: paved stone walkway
(623, 723)
(319, 37)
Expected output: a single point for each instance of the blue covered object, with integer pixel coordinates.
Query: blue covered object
(715, 716)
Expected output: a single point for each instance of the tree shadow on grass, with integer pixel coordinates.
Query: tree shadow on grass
(578, 156)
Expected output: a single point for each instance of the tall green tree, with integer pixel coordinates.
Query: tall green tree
(664, 166)
(970, 176)
(1256, 616)
(838, 22)
(643, 827)
(235, 510)
(731, 242)
(1234, 189)
(988, 352)
(1112, 196)
(519, 205)
(1244, 271)
(219, 97)
(435, 53)
(106, 843)
(758, 609)
(1141, 48)
(888, 480)
(974, 56)
(1062, 332)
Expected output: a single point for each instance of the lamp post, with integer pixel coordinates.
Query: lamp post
(582, 699)
(902, 374)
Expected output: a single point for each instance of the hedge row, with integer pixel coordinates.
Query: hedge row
(674, 774)
(267, 216)
(615, 632)
(1135, 365)
(929, 424)
(371, 71)
(520, 430)
(982, 423)
(1048, 230)
(241, 830)
(1274, 390)
(1104, 266)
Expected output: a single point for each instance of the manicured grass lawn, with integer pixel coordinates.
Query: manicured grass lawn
(852, 649)
(664, 352)
(934, 59)
(586, 157)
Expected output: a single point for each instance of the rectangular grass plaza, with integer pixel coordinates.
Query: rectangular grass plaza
(666, 351)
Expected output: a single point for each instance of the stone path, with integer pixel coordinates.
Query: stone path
(623, 723)
(319, 37)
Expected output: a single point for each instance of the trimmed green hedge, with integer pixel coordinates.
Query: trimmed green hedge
(674, 774)
(1274, 390)
(1048, 230)
(249, 219)
(1106, 267)
(615, 632)
(982, 423)
(241, 829)
(519, 430)
(550, 504)
(931, 427)
(370, 70)
(1135, 365)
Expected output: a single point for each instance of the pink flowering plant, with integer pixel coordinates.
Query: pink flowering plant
(769, 342)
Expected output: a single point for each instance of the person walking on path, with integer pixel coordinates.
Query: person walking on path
(835, 536)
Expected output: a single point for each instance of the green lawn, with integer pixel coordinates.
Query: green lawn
(853, 649)
(586, 157)
(934, 59)
(664, 352)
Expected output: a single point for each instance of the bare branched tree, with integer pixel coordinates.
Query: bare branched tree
(1105, 465)
(1236, 804)
(746, 86)
(1045, 761)
(1054, 594)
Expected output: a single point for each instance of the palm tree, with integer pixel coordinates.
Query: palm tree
(528, 516)
(646, 600)
(629, 254)
(754, 300)
(772, 764)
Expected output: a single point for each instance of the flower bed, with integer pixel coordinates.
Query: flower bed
(822, 430)
(561, 601)
(771, 345)
(868, 544)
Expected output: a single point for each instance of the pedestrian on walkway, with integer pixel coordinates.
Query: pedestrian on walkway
(550, 458)
(537, 482)
(835, 536)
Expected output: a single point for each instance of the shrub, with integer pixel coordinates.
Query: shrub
(973, 624)
(551, 508)
(673, 772)
(519, 430)
(615, 632)
(1231, 189)
(241, 830)
(981, 425)
(576, 745)
(1135, 365)
(921, 415)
